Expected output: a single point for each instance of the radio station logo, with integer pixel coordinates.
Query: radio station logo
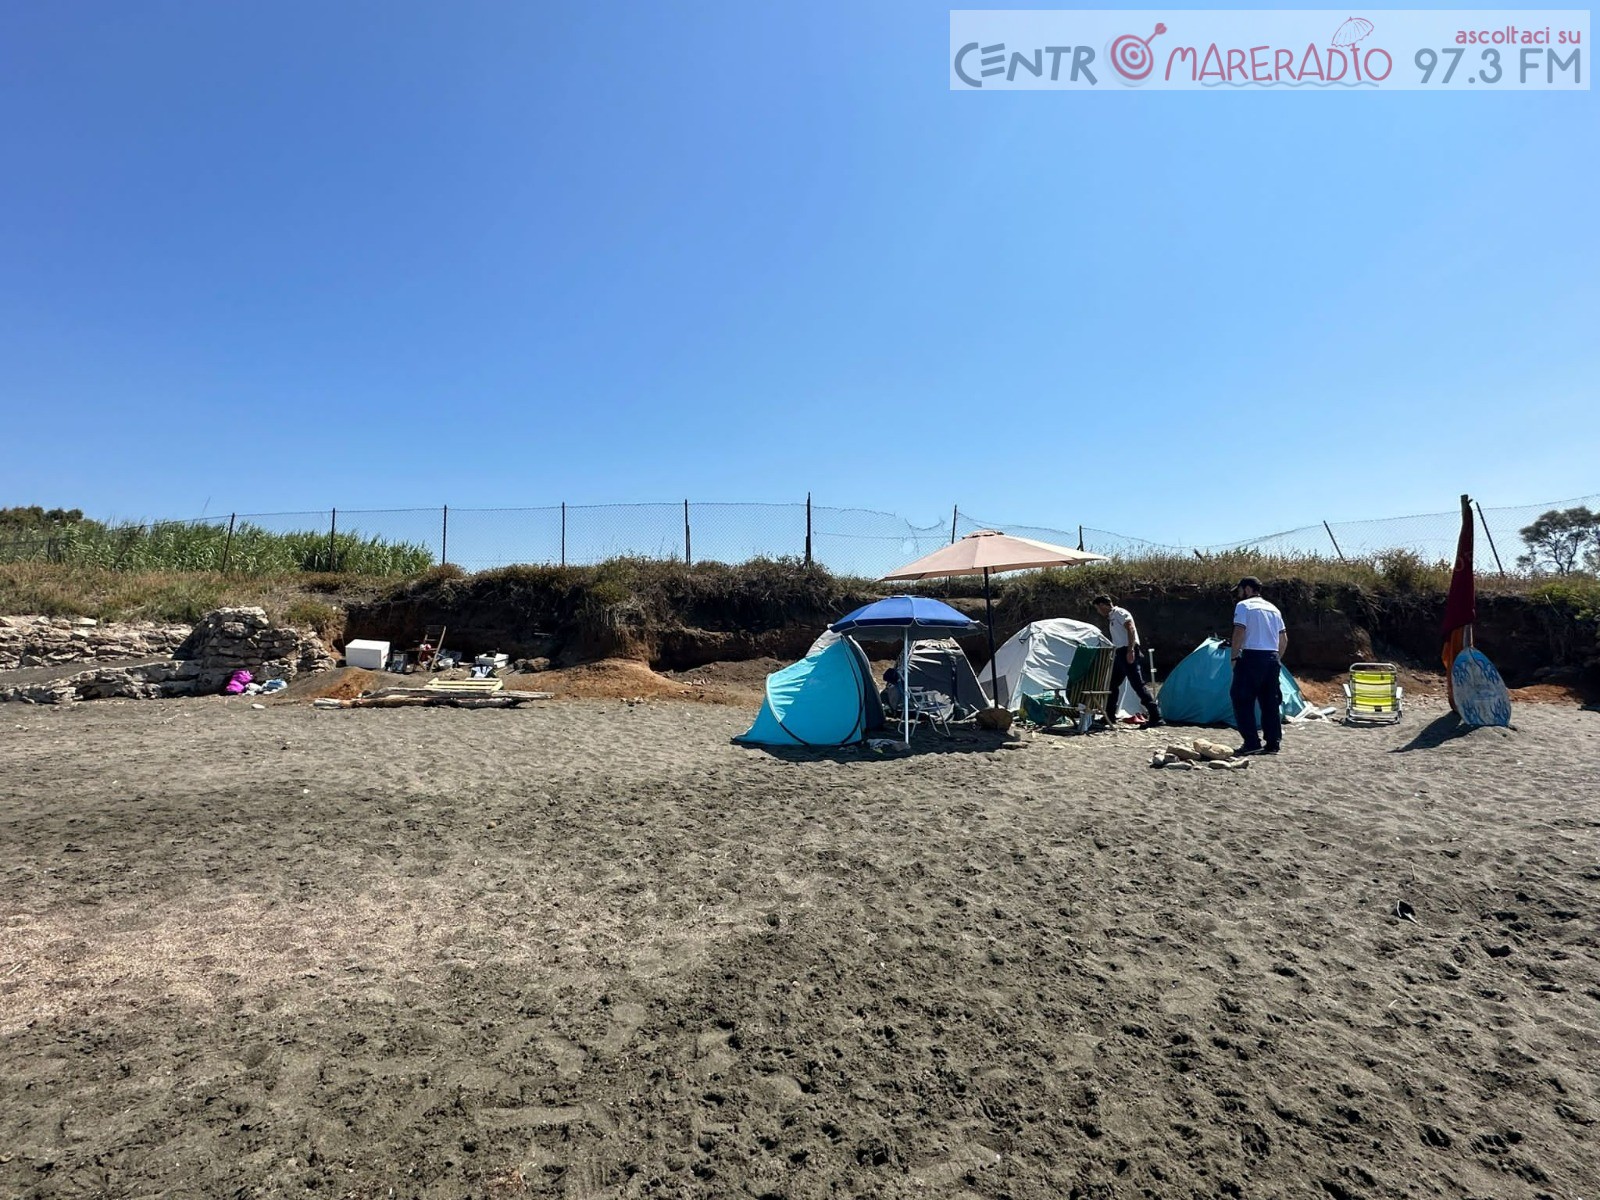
(1270, 50)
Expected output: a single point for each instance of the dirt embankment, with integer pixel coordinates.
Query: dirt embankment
(678, 622)
(660, 613)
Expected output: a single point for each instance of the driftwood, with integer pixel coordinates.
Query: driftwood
(403, 697)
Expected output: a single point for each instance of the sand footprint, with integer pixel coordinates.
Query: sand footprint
(567, 1056)
(713, 1053)
(626, 1017)
(966, 1161)
(586, 1179)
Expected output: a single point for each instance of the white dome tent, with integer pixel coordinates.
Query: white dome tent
(1037, 660)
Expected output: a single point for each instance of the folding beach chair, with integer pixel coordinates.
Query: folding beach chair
(1094, 689)
(934, 709)
(1373, 693)
(1086, 694)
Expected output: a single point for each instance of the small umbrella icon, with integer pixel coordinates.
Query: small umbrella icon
(1349, 36)
(1352, 31)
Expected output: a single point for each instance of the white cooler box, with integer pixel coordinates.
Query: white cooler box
(373, 656)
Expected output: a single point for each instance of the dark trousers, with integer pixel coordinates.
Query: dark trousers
(1122, 669)
(1255, 682)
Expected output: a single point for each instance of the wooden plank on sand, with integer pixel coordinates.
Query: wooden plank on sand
(466, 686)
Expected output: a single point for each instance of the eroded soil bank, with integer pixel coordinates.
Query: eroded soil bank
(540, 613)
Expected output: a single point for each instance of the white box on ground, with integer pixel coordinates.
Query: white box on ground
(373, 656)
(492, 660)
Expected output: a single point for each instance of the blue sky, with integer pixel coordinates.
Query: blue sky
(594, 252)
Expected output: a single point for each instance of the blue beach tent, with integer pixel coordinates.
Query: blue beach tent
(825, 699)
(1196, 690)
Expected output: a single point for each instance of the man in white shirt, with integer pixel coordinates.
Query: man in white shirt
(1259, 639)
(1128, 662)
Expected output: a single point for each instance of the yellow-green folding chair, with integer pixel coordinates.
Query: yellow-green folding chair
(1373, 693)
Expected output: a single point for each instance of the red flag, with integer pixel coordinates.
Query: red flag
(1461, 605)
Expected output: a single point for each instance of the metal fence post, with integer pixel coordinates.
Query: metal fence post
(444, 537)
(1335, 541)
(955, 511)
(808, 529)
(133, 535)
(1486, 533)
(1080, 537)
(688, 554)
(227, 546)
(563, 533)
(333, 528)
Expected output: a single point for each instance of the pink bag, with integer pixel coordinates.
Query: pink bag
(237, 683)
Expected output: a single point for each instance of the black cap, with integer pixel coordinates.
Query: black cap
(1249, 581)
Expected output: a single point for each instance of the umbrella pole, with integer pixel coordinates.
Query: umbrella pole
(905, 686)
(988, 612)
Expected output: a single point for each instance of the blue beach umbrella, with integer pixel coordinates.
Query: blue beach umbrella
(923, 616)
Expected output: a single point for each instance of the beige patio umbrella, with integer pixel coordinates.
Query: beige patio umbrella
(990, 551)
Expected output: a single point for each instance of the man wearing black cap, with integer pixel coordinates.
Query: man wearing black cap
(1259, 638)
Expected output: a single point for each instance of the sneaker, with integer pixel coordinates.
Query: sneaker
(1268, 750)
(1246, 751)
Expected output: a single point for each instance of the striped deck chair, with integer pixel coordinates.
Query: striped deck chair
(1087, 693)
(1373, 693)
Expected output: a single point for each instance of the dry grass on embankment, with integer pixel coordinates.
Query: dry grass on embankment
(60, 590)
(759, 591)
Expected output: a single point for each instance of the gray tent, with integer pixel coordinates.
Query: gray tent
(942, 667)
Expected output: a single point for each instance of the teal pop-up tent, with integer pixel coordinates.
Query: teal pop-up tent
(825, 699)
(1196, 690)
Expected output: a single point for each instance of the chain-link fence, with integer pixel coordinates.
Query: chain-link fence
(849, 541)
(1431, 536)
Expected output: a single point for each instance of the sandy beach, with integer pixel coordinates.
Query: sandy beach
(592, 949)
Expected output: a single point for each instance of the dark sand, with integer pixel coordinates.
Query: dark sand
(591, 949)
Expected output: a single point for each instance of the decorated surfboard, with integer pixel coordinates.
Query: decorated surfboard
(1480, 694)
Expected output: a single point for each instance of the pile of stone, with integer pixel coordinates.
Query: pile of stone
(225, 641)
(54, 641)
(1186, 756)
(243, 639)
(143, 681)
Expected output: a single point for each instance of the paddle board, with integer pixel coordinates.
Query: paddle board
(1480, 693)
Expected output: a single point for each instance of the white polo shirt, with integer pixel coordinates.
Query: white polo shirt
(1118, 619)
(1262, 623)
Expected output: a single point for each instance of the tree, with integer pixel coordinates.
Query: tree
(1562, 541)
(34, 517)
